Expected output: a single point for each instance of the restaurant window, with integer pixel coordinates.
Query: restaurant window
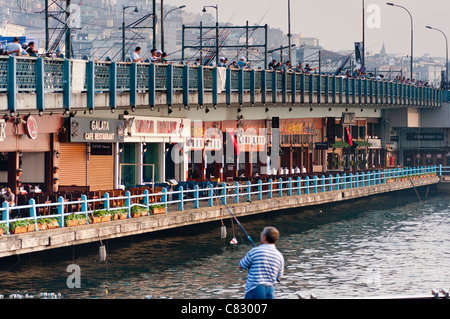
(362, 132)
(339, 131)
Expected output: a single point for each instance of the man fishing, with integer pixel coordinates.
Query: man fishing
(265, 266)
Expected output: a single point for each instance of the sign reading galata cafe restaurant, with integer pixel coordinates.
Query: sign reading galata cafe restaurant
(96, 130)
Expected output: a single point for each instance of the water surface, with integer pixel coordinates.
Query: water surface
(386, 245)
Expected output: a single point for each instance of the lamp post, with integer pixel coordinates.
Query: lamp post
(363, 58)
(289, 31)
(123, 28)
(217, 29)
(164, 18)
(412, 34)
(446, 51)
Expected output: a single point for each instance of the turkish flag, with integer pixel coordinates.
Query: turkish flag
(236, 147)
(349, 137)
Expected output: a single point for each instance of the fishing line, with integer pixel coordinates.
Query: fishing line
(239, 224)
(231, 213)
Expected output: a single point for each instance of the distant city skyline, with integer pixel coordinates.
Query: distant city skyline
(338, 23)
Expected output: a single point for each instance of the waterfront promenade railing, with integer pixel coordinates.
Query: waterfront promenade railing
(42, 76)
(178, 199)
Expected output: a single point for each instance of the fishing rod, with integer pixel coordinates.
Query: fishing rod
(237, 221)
(239, 224)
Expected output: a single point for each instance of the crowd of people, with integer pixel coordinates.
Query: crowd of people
(16, 49)
(157, 56)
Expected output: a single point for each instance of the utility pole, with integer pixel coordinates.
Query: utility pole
(154, 24)
(68, 41)
(162, 25)
(47, 35)
(246, 40)
(363, 59)
(289, 30)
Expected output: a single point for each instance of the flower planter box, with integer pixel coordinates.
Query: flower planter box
(81, 222)
(106, 218)
(31, 227)
(42, 226)
(135, 214)
(53, 224)
(144, 213)
(158, 210)
(123, 216)
(19, 230)
(95, 220)
(71, 223)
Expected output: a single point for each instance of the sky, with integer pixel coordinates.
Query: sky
(338, 23)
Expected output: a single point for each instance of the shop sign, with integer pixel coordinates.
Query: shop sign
(31, 127)
(348, 118)
(425, 136)
(96, 130)
(251, 140)
(199, 143)
(374, 143)
(297, 128)
(2, 130)
(101, 149)
(393, 138)
(321, 145)
(140, 126)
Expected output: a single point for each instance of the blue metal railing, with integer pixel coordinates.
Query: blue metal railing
(221, 194)
(29, 74)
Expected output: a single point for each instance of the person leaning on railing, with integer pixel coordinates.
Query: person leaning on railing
(9, 197)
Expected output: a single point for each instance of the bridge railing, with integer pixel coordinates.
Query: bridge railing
(50, 75)
(127, 206)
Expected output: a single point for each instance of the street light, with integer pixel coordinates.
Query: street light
(217, 29)
(217, 11)
(164, 18)
(123, 28)
(412, 34)
(446, 52)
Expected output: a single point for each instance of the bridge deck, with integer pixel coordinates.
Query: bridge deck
(37, 85)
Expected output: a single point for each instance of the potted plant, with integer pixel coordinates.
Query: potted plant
(123, 214)
(3, 229)
(41, 223)
(71, 220)
(135, 211)
(31, 226)
(114, 215)
(106, 216)
(96, 217)
(52, 222)
(81, 219)
(19, 226)
(158, 209)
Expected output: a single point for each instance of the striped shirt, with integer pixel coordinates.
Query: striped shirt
(264, 263)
